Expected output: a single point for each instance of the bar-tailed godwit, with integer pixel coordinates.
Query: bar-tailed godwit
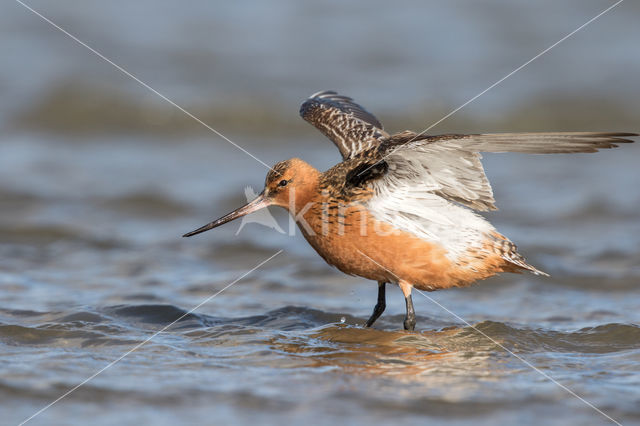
(400, 207)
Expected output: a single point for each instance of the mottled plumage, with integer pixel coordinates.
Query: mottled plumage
(352, 128)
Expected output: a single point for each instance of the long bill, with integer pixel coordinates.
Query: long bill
(259, 203)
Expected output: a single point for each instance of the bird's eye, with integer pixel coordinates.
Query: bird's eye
(283, 182)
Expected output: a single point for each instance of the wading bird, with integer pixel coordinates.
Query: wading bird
(400, 207)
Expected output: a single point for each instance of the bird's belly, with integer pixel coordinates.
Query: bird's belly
(361, 245)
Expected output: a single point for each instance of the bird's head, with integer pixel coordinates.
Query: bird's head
(289, 184)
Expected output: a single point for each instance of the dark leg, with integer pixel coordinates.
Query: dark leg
(380, 306)
(410, 318)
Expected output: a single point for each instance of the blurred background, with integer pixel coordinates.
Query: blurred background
(99, 177)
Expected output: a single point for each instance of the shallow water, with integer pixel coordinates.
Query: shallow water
(98, 184)
(92, 265)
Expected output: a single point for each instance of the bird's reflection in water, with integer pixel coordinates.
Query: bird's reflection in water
(398, 354)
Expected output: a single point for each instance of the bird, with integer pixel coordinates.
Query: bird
(402, 208)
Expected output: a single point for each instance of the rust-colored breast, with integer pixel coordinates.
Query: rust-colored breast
(351, 239)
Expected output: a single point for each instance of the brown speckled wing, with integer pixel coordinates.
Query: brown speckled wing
(353, 129)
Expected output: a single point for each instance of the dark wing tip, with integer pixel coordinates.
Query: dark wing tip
(323, 93)
(609, 140)
(331, 99)
(614, 137)
(622, 138)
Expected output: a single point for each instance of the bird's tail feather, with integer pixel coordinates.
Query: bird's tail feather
(509, 252)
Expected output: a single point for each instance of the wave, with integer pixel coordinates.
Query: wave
(310, 329)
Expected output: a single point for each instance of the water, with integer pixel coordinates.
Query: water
(99, 178)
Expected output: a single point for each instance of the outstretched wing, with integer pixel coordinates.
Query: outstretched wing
(528, 143)
(450, 166)
(352, 128)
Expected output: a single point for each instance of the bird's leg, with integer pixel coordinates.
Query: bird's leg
(380, 306)
(410, 318)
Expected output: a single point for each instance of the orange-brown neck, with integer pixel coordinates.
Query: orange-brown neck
(305, 191)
